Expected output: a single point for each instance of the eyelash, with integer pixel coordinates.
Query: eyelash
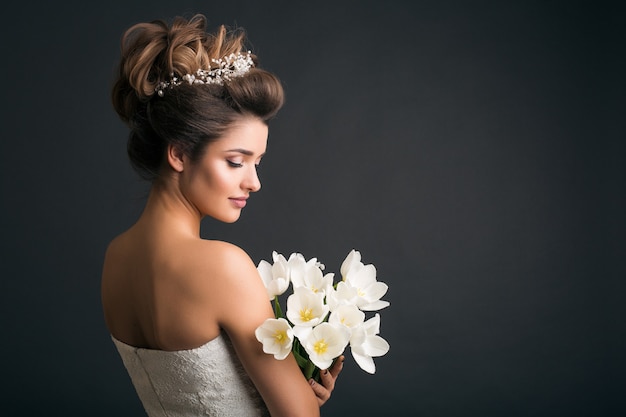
(238, 165)
(234, 164)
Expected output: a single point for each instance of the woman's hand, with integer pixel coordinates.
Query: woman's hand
(327, 378)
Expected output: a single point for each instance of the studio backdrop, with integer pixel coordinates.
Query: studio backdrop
(474, 152)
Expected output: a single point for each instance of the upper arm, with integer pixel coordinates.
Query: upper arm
(242, 306)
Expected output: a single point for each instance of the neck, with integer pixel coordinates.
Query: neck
(167, 208)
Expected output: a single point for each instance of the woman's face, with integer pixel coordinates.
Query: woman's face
(219, 184)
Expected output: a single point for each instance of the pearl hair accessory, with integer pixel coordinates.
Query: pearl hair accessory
(228, 67)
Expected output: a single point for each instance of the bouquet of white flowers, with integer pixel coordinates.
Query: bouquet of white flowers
(323, 317)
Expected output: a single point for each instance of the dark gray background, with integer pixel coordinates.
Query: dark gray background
(473, 151)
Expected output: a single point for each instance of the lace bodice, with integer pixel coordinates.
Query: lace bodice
(205, 381)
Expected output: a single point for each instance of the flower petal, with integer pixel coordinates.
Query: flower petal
(306, 308)
(376, 346)
(354, 257)
(302, 332)
(347, 315)
(372, 326)
(277, 287)
(375, 290)
(375, 306)
(365, 362)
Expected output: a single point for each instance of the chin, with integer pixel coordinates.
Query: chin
(224, 216)
(228, 219)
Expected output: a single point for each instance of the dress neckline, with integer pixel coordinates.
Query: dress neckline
(204, 345)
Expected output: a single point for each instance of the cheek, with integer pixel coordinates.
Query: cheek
(217, 178)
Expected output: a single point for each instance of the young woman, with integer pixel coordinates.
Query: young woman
(182, 310)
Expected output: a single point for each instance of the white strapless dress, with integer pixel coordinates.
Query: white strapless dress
(205, 381)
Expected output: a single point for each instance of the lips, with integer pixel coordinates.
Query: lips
(239, 202)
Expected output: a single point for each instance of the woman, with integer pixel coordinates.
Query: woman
(182, 310)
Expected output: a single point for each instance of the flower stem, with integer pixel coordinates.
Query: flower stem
(309, 370)
(278, 312)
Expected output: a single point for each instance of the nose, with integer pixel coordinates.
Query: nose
(251, 181)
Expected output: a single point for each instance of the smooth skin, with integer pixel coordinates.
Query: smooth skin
(164, 287)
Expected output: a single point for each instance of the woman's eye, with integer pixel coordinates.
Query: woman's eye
(234, 164)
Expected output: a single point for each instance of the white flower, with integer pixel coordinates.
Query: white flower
(275, 277)
(276, 336)
(362, 278)
(343, 295)
(365, 344)
(347, 315)
(310, 276)
(326, 342)
(294, 264)
(306, 308)
(353, 258)
(324, 317)
(294, 257)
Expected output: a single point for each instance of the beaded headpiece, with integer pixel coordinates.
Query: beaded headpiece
(226, 68)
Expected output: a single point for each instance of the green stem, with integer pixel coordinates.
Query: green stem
(278, 312)
(309, 369)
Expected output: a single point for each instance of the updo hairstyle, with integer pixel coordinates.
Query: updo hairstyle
(187, 116)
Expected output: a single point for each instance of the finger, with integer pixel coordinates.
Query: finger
(327, 379)
(320, 391)
(337, 366)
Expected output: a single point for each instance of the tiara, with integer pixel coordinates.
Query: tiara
(226, 68)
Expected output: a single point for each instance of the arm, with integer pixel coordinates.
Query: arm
(243, 305)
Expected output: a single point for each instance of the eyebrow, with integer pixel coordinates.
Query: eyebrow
(243, 151)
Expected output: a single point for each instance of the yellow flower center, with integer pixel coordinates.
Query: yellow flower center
(360, 292)
(280, 336)
(320, 346)
(306, 314)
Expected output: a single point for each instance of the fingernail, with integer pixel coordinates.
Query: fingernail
(312, 382)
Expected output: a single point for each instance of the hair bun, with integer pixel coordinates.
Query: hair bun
(151, 52)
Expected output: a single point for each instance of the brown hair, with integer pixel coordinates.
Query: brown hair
(188, 116)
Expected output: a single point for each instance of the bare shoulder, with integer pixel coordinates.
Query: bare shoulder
(217, 269)
(223, 252)
(230, 264)
(115, 253)
(123, 243)
(114, 244)
(236, 285)
(221, 259)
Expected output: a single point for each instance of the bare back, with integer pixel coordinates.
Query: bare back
(156, 288)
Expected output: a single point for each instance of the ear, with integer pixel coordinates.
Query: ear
(175, 158)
